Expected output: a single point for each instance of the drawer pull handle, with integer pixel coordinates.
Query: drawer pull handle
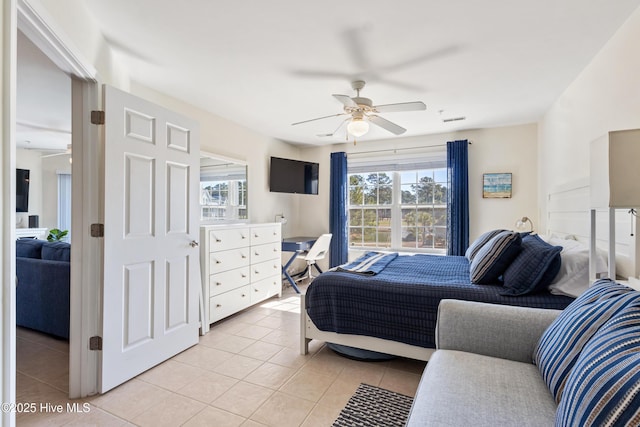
(218, 262)
(256, 235)
(275, 250)
(242, 236)
(218, 305)
(243, 275)
(256, 271)
(256, 253)
(218, 240)
(243, 295)
(243, 256)
(256, 290)
(218, 283)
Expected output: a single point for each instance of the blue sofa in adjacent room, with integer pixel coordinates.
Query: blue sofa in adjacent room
(42, 294)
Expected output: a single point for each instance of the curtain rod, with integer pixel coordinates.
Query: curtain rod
(400, 149)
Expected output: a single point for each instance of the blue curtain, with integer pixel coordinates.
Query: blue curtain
(338, 192)
(458, 200)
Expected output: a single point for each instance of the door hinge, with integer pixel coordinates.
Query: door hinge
(97, 230)
(97, 117)
(95, 343)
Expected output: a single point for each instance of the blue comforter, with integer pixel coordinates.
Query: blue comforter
(400, 303)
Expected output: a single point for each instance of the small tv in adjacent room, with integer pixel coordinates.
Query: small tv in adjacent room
(293, 176)
(22, 190)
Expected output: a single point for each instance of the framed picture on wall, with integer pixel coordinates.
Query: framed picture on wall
(496, 185)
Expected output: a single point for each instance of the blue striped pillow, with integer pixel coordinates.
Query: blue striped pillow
(494, 257)
(561, 344)
(477, 244)
(604, 386)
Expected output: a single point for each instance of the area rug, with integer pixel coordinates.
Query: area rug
(375, 406)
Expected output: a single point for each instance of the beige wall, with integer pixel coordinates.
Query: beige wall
(505, 149)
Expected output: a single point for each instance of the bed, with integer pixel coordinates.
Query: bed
(567, 225)
(395, 310)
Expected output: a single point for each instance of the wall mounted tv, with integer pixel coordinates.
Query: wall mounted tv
(22, 190)
(293, 176)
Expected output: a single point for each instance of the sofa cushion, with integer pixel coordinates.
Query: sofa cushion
(534, 268)
(29, 248)
(56, 251)
(494, 257)
(477, 244)
(561, 344)
(604, 386)
(466, 389)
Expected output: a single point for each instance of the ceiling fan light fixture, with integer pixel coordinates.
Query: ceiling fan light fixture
(358, 127)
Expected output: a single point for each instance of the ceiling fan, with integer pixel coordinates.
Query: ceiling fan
(362, 112)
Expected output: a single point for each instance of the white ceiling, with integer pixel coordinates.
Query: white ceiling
(269, 64)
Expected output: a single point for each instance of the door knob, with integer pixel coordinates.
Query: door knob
(194, 244)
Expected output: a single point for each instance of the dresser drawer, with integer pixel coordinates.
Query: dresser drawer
(224, 238)
(223, 305)
(265, 288)
(228, 260)
(266, 269)
(228, 280)
(265, 252)
(267, 234)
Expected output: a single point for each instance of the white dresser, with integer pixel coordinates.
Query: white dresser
(241, 266)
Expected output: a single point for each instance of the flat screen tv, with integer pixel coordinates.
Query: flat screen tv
(293, 176)
(22, 190)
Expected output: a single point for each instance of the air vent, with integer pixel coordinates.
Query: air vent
(454, 119)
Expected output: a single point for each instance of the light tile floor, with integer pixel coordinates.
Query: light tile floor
(247, 371)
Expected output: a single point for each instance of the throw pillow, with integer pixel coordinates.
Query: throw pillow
(603, 387)
(56, 251)
(477, 244)
(534, 268)
(29, 248)
(494, 257)
(561, 344)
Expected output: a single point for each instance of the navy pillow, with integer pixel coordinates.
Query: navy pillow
(29, 248)
(56, 251)
(494, 257)
(533, 270)
(477, 244)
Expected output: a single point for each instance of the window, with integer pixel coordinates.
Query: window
(398, 206)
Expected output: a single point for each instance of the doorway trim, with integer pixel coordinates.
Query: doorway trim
(86, 252)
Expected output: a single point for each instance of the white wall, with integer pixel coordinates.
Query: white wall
(604, 97)
(505, 149)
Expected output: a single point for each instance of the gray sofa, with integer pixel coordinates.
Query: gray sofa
(483, 371)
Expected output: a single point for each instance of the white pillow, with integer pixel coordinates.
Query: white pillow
(573, 277)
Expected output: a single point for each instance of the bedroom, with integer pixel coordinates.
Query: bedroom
(557, 141)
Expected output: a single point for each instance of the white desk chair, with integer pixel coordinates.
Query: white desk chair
(317, 252)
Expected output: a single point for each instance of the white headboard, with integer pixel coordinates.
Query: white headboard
(568, 215)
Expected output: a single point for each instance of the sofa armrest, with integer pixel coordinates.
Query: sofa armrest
(507, 332)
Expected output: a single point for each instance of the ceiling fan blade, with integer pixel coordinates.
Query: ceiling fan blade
(346, 101)
(318, 118)
(386, 124)
(337, 129)
(401, 106)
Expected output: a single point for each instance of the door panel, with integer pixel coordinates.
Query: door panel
(151, 271)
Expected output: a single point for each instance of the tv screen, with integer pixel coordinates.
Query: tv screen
(22, 190)
(293, 176)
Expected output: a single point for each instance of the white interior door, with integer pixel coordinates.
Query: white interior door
(151, 265)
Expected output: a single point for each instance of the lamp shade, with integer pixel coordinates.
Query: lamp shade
(358, 127)
(615, 170)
